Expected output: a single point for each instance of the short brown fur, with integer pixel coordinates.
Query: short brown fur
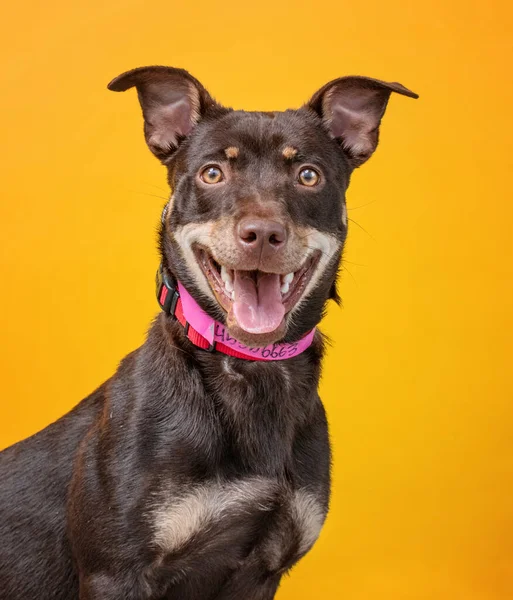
(232, 152)
(289, 152)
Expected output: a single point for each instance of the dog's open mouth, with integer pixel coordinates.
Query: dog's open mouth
(257, 301)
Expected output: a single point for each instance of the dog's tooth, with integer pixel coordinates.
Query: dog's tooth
(228, 285)
(233, 295)
(284, 288)
(226, 275)
(288, 278)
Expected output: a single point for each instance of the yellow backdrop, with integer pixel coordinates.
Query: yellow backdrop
(417, 383)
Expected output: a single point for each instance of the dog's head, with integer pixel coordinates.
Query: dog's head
(257, 221)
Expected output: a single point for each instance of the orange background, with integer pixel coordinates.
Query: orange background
(418, 381)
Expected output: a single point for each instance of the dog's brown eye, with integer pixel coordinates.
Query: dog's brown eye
(211, 175)
(308, 177)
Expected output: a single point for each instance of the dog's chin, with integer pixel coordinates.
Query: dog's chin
(257, 302)
(255, 340)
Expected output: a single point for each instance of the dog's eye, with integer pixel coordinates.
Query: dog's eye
(211, 175)
(308, 177)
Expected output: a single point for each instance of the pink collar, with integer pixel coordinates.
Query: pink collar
(207, 333)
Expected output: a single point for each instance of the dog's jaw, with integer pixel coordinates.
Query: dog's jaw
(256, 302)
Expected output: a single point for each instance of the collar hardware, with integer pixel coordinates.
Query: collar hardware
(167, 293)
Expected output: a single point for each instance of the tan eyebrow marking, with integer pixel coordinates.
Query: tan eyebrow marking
(232, 152)
(289, 152)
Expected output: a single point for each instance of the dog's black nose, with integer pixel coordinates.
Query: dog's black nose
(259, 234)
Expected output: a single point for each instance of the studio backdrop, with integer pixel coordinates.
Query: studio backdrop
(417, 381)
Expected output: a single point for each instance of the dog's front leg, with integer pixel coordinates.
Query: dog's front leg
(110, 540)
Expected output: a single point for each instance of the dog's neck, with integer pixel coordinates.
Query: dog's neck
(211, 335)
(251, 410)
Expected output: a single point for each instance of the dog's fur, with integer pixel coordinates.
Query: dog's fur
(194, 475)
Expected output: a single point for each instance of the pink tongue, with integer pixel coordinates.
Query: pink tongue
(257, 307)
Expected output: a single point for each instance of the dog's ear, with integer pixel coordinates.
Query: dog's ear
(351, 109)
(172, 102)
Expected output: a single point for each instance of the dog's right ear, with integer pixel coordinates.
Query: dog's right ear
(172, 102)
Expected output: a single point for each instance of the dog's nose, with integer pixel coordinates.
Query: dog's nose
(260, 234)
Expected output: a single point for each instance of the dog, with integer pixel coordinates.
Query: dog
(201, 469)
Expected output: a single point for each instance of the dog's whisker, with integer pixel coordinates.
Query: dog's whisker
(361, 205)
(344, 260)
(350, 274)
(150, 195)
(302, 237)
(362, 228)
(317, 249)
(158, 187)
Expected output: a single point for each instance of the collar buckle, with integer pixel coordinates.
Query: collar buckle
(167, 293)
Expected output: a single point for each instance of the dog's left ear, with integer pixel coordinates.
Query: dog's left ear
(172, 101)
(351, 109)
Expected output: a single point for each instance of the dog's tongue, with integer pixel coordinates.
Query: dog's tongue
(257, 306)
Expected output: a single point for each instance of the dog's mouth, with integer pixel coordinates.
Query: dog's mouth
(256, 301)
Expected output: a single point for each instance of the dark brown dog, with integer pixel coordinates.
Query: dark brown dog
(193, 474)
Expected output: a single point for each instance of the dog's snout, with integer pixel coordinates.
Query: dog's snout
(260, 234)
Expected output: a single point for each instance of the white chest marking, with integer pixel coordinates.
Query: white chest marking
(192, 513)
(309, 518)
(177, 522)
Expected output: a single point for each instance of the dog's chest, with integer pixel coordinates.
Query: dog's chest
(249, 510)
(229, 521)
(261, 408)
